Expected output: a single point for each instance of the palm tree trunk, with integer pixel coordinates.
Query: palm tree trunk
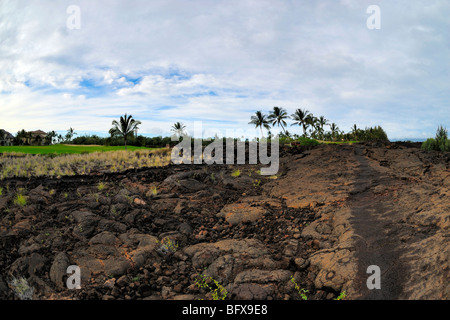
(125, 139)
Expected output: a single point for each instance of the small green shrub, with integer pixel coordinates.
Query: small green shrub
(445, 146)
(113, 210)
(341, 296)
(429, 144)
(302, 292)
(217, 290)
(20, 200)
(236, 173)
(282, 140)
(101, 186)
(167, 246)
(307, 142)
(439, 143)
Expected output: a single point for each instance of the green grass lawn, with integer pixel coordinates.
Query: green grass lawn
(337, 142)
(66, 149)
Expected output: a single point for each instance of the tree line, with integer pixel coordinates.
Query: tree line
(24, 138)
(124, 131)
(312, 127)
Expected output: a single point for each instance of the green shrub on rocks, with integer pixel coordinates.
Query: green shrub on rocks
(167, 246)
(20, 200)
(307, 142)
(217, 290)
(301, 291)
(439, 143)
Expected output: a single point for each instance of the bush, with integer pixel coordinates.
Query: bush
(307, 142)
(140, 141)
(429, 145)
(442, 142)
(439, 143)
(445, 146)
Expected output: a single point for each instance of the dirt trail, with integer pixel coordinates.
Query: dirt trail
(376, 223)
(382, 204)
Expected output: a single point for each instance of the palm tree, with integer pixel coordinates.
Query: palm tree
(178, 128)
(300, 118)
(260, 120)
(355, 131)
(334, 130)
(50, 138)
(277, 116)
(313, 122)
(322, 122)
(113, 132)
(70, 133)
(126, 126)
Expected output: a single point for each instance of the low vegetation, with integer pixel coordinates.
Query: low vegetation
(341, 296)
(167, 246)
(303, 141)
(439, 143)
(301, 291)
(217, 291)
(101, 186)
(20, 199)
(80, 164)
(57, 149)
(236, 173)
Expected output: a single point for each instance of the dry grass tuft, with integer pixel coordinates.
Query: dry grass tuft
(80, 164)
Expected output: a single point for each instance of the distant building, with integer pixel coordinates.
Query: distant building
(37, 138)
(6, 138)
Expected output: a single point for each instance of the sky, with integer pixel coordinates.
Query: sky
(220, 61)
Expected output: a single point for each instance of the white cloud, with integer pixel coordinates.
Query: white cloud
(166, 61)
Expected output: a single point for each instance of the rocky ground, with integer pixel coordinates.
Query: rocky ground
(154, 233)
